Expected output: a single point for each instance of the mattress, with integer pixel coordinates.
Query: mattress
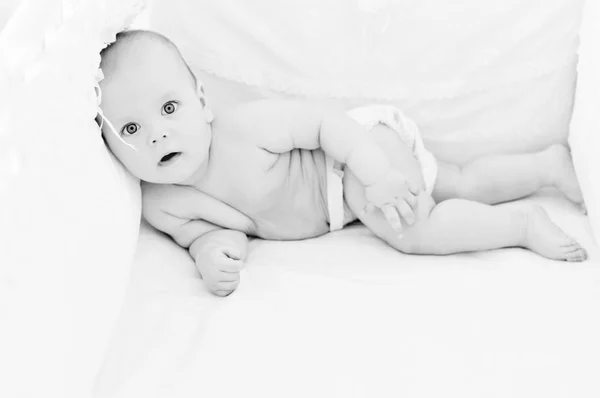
(345, 315)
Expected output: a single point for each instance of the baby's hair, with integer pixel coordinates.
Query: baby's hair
(127, 36)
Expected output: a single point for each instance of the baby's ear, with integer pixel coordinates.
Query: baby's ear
(201, 96)
(207, 112)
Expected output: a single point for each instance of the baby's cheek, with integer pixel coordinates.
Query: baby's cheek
(138, 166)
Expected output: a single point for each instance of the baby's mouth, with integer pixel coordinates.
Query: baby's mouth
(169, 158)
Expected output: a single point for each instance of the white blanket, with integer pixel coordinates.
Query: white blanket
(321, 317)
(345, 315)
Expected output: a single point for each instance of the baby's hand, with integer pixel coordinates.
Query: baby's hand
(220, 268)
(395, 196)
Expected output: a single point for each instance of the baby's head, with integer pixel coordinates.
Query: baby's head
(150, 96)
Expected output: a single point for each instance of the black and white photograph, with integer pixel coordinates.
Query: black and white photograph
(299, 198)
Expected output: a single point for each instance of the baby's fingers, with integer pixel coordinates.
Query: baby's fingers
(225, 276)
(369, 207)
(413, 188)
(232, 266)
(233, 253)
(226, 288)
(406, 212)
(411, 200)
(393, 218)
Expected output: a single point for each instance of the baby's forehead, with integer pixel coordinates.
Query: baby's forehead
(144, 59)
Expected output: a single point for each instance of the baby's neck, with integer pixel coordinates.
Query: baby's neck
(198, 176)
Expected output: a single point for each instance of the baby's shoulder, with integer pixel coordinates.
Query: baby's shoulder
(236, 121)
(246, 119)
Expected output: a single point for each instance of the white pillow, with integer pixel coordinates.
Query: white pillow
(69, 218)
(477, 76)
(585, 125)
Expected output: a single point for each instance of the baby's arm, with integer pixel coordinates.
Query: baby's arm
(219, 253)
(280, 126)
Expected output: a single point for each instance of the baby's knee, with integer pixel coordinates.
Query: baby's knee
(412, 240)
(408, 243)
(425, 205)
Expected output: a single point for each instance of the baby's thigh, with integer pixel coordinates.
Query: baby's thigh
(354, 193)
(399, 154)
(402, 159)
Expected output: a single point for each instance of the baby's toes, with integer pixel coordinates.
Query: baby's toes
(575, 253)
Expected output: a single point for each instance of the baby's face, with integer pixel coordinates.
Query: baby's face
(150, 99)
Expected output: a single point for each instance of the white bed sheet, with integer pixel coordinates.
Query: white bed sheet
(344, 315)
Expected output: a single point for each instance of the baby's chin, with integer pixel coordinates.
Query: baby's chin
(182, 176)
(169, 179)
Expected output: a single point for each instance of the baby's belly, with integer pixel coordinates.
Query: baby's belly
(291, 224)
(297, 208)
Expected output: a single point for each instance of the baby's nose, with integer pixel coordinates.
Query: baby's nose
(160, 136)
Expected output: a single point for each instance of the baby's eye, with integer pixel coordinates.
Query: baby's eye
(130, 128)
(170, 107)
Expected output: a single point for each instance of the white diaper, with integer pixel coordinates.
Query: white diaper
(369, 116)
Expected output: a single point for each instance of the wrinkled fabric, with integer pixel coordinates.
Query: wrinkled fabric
(385, 49)
(344, 315)
(69, 219)
(478, 77)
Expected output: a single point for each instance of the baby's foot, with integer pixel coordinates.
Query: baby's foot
(547, 239)
(562, 173)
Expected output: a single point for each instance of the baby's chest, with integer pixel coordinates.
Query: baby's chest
(285, 201)
(282, 192)
(251, 184)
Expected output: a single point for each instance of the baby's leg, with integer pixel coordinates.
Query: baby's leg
(458, 225)
(501, 178)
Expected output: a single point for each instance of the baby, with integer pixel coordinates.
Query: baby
(292, 169)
